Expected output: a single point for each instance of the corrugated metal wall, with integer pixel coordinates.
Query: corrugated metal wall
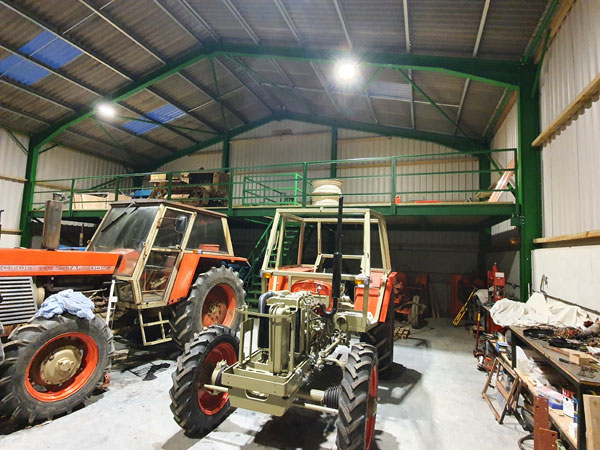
(62, 163)
(410, 187)
(59, 162)
(288, 142)
(507, 136)
(209, 158)
(12, 164)
(571, 161)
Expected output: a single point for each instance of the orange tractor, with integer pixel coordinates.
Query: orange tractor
(166, 268)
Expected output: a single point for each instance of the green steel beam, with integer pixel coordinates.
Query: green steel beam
(459, 143)
(433, 103)
(500, 73)
(216, 140)
(540, 31)
(456, 142)
(334, 151)
(17, 141)
(219, 98)
(156, 122)
(529, 177)
(28, 188)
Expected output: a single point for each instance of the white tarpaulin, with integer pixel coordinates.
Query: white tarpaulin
(538, 311)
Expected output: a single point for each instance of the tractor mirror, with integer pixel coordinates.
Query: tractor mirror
(181, 224)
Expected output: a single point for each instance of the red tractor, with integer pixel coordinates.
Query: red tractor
(168, 268)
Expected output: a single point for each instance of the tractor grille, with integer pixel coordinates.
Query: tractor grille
(18, 303)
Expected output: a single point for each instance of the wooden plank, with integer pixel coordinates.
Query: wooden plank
(11, 178)
(591, 406)
(583, 101)
(569, 237)
(556, 415)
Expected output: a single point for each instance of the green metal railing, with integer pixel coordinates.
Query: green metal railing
(275, 189)
(377, 180)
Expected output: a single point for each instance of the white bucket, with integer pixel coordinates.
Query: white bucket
(326, 192)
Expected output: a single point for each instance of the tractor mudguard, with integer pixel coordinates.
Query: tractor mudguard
(374, 296)
(188, 271)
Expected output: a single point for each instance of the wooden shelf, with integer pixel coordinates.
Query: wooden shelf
(569, 237)
(581, 102)
(556, 415)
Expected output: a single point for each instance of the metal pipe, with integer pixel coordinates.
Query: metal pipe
(212, 387)
(313, 407)
(337, 263)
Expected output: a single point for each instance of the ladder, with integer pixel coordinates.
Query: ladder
(157, 323)
(464, 309)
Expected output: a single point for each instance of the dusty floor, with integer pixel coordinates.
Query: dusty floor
(433, 402)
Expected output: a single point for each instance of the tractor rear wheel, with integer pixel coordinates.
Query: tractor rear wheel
(197, 410)
(213, 300)
(382, 338)
(52, 366)
(357, 406)
(1, 347)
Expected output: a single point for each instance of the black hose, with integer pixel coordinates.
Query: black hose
(263, 322)
(523, 439)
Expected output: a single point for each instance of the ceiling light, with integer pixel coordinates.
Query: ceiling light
(106, 110)
(346, 71)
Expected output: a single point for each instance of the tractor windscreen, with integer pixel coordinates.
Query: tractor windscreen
(124, 228)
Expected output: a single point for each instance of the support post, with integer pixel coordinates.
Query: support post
(28, 190)
(485, 235)
(334, 151)
(529, 175)
(226, 154)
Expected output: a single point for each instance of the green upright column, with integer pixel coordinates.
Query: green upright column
(529, 176)
(28, 189)
(334, 150)
(226, 155)
(485, 234)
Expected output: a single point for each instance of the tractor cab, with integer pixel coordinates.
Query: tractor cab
(157, 240)
(300, 256)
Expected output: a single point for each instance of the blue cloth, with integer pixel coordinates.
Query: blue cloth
(70, 301)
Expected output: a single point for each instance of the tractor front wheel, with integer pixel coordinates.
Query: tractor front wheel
(357, 407)
(52, 366)
(213, 300)
(197, 410)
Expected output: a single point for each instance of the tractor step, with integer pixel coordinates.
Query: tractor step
(156, 323)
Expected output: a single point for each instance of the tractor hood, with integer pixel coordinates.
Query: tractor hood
(29, 262)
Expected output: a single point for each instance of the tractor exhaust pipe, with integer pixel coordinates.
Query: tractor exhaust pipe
(337, 262)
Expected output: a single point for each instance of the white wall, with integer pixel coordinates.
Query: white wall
(572, 273)
(571, 161)
(292, 142)
(12, 164)
(57, 163)
(507, 136)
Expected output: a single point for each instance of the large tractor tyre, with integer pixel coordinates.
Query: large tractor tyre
(1, 347)
(213, 300)
(196, 410)
(382, 338)
(52, 366)
(357, 406)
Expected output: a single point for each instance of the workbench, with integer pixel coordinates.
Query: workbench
(582, 383)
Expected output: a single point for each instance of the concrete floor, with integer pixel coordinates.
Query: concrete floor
(433, 402)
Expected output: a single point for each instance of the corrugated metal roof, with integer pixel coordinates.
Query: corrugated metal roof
(51, 50)
(120, 41)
